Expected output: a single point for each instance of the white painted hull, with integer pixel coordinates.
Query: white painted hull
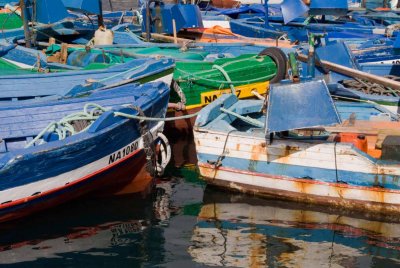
(19, 194)
(318, 159)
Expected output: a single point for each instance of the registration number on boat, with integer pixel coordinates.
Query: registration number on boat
(127, 150)
(244, 91)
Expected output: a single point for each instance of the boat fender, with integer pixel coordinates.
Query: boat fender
(280, 59)
(164, 155)
(103, 36)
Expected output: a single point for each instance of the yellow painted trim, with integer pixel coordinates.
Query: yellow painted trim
(242, 92)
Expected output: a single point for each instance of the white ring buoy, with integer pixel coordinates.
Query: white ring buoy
(165, 154)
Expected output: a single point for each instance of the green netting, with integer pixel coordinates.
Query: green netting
(109, 59)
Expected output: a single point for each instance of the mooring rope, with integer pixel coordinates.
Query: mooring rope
(226, 75)
(64, 127)
(248, 81)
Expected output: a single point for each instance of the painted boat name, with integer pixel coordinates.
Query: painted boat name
(129, 149)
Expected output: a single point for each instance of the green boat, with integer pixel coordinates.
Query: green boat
(202, 82)
(9, 21)
(8, 68)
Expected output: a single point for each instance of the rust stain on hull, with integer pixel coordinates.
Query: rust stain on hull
(303, 195)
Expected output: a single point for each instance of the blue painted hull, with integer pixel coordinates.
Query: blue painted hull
(63, 169)
(254, 27)
(22, 87)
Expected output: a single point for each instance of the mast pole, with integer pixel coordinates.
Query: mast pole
(24, 16)
(266, 17)
(100, 19)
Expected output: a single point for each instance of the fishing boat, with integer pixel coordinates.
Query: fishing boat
(355, 79)
(55, 151)
(218, 34)
(294, 24)
(198, 84)
(300, 150)
(61, 84)
(202, 82)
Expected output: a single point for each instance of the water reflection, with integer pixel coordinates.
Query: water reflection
(110, 231)
(176, 226)
(241, 231)
(127, 230)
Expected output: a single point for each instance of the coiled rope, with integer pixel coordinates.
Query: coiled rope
(65, 128)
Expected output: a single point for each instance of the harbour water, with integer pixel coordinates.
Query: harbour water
(183, 223)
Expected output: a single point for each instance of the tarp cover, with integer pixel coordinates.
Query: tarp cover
(329, 7)
(303, 105)
(292, 9)
(85, 6)
(50, 11)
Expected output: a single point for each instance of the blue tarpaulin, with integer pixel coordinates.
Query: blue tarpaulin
(86, 6)
(292, 9)
(273, 10)
(297, 106)
(50, 11)
(329, 7)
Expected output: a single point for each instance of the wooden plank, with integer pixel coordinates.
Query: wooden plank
(167, 38)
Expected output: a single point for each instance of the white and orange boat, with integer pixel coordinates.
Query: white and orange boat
(218, 34)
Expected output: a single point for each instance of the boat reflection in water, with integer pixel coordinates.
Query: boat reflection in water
(111, 231)
(242, 231)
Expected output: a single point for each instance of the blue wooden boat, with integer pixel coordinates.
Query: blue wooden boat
(390, 102)
(300, 150)
(51, 152)
(346, 55)
(293, 24)
(297, 31)
(61, 84)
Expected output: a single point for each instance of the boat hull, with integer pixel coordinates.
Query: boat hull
(109, 181)
(322, 168)
(359, 198)
(107, 156)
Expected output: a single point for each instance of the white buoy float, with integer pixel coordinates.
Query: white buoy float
(103, 36)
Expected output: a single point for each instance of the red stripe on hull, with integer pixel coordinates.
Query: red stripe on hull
(111, 179)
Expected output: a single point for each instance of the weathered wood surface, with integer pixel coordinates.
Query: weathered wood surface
(119, 4)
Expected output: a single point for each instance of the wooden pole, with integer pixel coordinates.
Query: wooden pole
(148, 35)
(100, 19)
(24, 16)
(111, 6)
(167, 38)
(354, 73)
(174, 31)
